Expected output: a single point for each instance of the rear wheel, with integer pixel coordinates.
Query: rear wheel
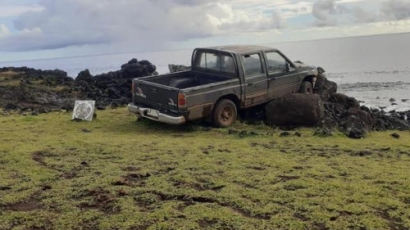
(225, 113)
(306, 87)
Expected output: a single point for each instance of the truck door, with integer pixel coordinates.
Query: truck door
(256, 84)
(283, 78)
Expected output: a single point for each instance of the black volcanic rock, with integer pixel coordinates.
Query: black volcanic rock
(324, 87)
(84, 75)
(340, 112)
(26, 89)
(37, 91)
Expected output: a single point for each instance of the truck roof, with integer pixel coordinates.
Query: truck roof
(240, 49)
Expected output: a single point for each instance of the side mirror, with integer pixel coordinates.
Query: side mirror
(288, 67)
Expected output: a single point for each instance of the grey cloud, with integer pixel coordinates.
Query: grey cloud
(362, 16)
(396, 9)
(326, 11)
(142, 23)
(331, 13)
(275, 21)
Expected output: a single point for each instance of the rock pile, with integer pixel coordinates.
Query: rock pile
(113, 88)
(37, 91)
(26, 89)
(340, 112)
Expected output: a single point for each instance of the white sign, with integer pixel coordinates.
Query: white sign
(84, 110)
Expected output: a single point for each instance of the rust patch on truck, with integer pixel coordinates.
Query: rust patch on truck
(200, 111)
(256, 99)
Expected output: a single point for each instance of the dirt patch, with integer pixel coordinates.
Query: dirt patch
(320, 226)
(70, 174)
(135, 177)
(201, 199)
(207, 149)
(214, 223)
(257, 168)
(301, 216)
(5, 188)
(132, 179)
(293, 187)
(270, 145)
(284, 178)
(201, 185)
(362, 153)
(130, 169)
(341, 213)
(39, 156)
(30, 204)
(100, 199)
(393, 222)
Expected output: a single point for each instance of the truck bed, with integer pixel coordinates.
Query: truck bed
(186, 79)
(161, 92)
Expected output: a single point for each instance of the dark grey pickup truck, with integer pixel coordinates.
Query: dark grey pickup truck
(222, 80)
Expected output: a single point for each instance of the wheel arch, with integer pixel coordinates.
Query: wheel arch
(309, 78)
(231, 97)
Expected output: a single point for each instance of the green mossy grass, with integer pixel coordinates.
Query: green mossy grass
(116, 173)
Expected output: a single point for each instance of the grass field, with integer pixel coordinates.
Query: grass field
(116, 173)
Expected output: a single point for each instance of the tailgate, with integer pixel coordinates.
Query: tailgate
(156, 96)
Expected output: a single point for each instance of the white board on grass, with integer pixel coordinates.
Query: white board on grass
(84, 110)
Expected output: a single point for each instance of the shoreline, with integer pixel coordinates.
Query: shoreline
(42, 91)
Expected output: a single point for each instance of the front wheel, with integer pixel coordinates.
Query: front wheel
(225, 113)
(306, 87)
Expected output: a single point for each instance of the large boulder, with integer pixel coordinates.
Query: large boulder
(294, 110)
(324, 87)
(356, 122)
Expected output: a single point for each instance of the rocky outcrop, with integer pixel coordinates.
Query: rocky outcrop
(37, 91)
(113, 88)
(26, 89)
(339, 112)
(324, 87)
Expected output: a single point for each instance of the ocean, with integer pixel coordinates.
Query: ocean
(373, 69)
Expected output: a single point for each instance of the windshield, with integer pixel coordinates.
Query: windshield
(215, 62)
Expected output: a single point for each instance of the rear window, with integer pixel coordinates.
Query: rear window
(215, 61)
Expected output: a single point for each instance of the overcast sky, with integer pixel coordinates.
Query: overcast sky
(31, 29)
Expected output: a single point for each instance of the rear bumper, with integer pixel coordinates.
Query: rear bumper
(164, 118)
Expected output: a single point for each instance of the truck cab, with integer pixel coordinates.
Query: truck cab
(222, 81)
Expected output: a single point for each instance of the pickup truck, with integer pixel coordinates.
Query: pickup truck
(222, 81)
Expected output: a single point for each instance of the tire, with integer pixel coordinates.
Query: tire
(306, 87)
(225, 113)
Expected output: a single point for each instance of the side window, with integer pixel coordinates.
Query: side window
(252, 64)
(276, 63)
